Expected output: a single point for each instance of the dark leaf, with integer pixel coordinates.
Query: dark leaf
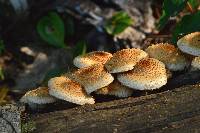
(194, 3)
(51, 29)
(52, 73)
(188, 24)
(170, 9)
(80, 48)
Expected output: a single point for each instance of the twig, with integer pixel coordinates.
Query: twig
(190, 7)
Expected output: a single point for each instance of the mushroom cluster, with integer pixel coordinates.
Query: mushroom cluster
(119, 74)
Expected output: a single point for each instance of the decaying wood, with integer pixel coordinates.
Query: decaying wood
(177, 111)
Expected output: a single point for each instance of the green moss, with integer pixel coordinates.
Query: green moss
(28, 127)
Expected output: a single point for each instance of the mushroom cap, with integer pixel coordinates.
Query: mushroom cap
(116, 89)
(148, 74)
(92, 78)
(91, 58)
(38, 96)
(173, 59)
(196, 63)
(190, 44)
(125, 60)
(69, 90)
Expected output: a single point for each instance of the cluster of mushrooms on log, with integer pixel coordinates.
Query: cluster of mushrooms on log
(120, 73)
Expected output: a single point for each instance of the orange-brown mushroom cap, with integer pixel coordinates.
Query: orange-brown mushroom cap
(148, 74)
(125, 60)
(38, 96)
(190, 44)
(69, 90)
(169, 55)
(92, 58)
(92, 78)
(116, 89)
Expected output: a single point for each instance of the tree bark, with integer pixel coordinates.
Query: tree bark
(177, 111)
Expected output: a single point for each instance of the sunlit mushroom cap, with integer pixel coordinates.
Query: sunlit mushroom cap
(173, 59)
(38, 96)
(196, 63)
(124, 60)
(91, 58)
(92, 78)
(148, 74)
(68, 90)
(190, 44)
(116, 89)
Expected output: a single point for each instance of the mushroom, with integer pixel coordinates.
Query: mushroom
(37, 96)
(116, 89)
(173, 59)
(69, 90)
(190, 44)
(195, 65)
(91, 58)
(125, 60)
(92, 78)
(148, 74)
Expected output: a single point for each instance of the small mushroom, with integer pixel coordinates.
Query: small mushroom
(190, 44)
(195, 65)
(91, 58)
(148, 74)
(37, 96)
(125, 60)
(92, 78)
(69, 90)
(173, 59)
(116, 89)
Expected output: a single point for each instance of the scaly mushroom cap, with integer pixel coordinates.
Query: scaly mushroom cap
(38, 96)
(196, 63)
(190, 44)
(169, 55)
(91, 58)
(148, 74)
(71, 91)
(92, 78)
(116, 89)
(125, 60)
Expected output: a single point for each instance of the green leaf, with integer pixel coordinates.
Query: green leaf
(194, 3)
(118, 23)
(2, 46)
(51, 29)
(188, 24)
(80, 48)
(170, 8)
